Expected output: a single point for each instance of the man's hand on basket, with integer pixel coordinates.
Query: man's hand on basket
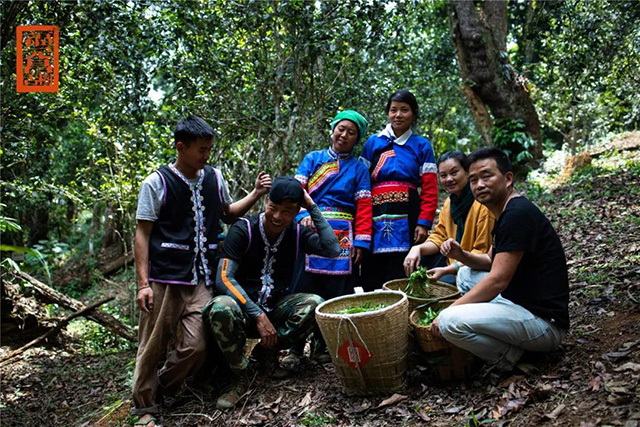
(434, 329)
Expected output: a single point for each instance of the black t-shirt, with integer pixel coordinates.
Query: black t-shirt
(540, 283)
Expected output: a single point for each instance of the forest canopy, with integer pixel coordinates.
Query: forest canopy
(269, 76)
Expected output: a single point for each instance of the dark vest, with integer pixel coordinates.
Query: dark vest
(251, 265)
(181, 251)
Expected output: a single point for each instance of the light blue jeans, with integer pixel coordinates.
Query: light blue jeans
(498, 331)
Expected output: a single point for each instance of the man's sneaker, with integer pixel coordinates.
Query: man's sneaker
(284, 367)
(290, 361)
(321, 356)
(237, 389)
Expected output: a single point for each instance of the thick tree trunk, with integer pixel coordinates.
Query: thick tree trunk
(479, 36)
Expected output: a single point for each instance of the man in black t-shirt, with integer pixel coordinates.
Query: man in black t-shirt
(255, 269)
(520, 302)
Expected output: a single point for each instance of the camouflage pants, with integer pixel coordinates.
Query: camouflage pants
(293, 319)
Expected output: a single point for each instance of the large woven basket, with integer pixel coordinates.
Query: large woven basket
(368, 350)
(439, 290)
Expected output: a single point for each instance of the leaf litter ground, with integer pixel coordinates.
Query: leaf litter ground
(593, 379)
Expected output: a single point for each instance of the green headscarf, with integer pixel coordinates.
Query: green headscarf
(353, 116)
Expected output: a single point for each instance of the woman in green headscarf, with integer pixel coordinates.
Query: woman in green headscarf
(340, 186)
(461, 218)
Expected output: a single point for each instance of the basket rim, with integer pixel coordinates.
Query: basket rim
(365, 314)
(437, 283)
(414, 323)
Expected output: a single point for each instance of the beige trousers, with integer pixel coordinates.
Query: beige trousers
(173, 306)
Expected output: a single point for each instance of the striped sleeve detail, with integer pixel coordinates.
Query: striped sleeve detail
(228, 284)
(428, 168)
(303, 179)
(362, 194)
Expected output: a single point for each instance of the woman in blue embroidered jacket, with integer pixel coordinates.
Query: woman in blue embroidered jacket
(340, 185)
(400, 163)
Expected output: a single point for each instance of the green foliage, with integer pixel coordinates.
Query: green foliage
(313, 419)
(95, 339)
(418, 284)
(583, 58)
(269, 76)
(510, 136)
(365, 307)
(428, 316)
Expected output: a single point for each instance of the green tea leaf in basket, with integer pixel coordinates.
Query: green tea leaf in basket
(361, 308)
(428, 317)
(418, 284)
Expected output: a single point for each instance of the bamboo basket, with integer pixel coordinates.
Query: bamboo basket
(440, 291)
(453, 364)
(448, 361)
(368, 350)
(426, 340)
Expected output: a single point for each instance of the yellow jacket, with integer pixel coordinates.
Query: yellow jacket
(477, 228)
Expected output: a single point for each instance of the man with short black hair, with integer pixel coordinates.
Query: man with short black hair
(522, 302)
(254, 272)
(179, 208)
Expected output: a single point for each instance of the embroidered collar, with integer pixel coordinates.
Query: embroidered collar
(190, 182)
(267, 266)
(401, 140)
(337, 156)
(201, 264)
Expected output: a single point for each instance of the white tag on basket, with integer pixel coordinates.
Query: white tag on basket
(358, 290)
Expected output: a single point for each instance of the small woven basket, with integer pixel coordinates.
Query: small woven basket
(448, 361)
(439, 290)
(368, 350)
(426, 340)
(453, 364)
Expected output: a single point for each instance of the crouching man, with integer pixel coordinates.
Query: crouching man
(521, 301)
(255, 269)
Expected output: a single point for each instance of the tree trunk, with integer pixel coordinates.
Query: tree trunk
(64, 322)
(479, 37)
(51, 295)
(11, 14)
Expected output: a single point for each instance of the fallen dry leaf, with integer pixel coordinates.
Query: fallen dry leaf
(616, 354)
(306, 400)
(396, 398)
(423, 415)
(629, 366)
(590, 423)
(618, 400)
(554, 414)
(595, 383)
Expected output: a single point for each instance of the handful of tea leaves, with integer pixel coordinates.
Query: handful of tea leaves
(362, 308)
(418, 284)
(428, 317)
